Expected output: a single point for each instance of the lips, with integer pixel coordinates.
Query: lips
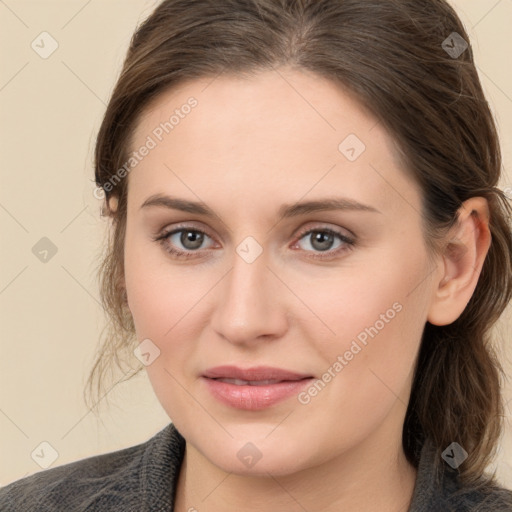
(253, 388)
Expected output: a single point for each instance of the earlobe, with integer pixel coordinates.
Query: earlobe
(113, 203)
(465, 250)
(109, 206)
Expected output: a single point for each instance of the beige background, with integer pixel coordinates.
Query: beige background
(51, 317)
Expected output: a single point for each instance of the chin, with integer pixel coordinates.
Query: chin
(278, 456)
(277, 464)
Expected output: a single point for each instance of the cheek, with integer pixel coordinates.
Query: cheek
(168, 303)
(368, 300)
(161, 301)
(158, 294)
(377, 317)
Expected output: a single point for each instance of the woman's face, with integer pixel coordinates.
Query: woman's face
(344, 305)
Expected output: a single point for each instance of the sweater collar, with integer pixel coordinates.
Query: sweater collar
(427, 480)
(160, 469)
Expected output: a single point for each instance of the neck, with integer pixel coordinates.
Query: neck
(373, 475)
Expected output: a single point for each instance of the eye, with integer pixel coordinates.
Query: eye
(190, 238)
(321, 239)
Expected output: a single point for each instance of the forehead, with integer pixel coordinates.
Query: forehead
(285, 130)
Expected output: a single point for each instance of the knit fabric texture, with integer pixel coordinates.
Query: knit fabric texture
(143, 478)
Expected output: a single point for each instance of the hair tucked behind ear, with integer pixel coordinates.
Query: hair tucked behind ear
(390, 54)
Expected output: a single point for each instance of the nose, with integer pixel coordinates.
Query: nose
(250, 304)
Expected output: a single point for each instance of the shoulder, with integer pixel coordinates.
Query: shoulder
(438, 487)
(112, 481)
(489, 497)
(74, 484)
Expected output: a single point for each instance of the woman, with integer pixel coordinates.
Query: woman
(309, 249)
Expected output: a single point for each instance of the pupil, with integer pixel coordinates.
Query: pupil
(318, 237)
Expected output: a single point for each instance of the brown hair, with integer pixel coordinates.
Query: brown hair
(391, 55)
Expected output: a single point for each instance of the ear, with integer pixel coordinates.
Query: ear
(463, 257)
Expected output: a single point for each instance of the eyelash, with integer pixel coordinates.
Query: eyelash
(329, 254)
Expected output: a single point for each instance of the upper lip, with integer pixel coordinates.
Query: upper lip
(252, 374)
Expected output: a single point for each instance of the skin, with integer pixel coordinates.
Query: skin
(250, 146)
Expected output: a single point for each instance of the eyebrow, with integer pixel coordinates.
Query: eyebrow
(285, 211)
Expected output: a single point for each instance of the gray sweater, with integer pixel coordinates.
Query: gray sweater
(143, 478)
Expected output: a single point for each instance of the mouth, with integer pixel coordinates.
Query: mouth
(253, 376)
(253, 388)
(266, 382)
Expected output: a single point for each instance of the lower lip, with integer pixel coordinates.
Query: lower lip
(254, 398)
